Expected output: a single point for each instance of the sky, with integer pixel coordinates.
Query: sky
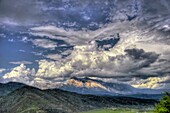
(116, 41)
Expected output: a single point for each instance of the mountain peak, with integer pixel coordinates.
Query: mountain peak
(78, 82)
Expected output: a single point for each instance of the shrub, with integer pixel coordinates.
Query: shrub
(164, 105)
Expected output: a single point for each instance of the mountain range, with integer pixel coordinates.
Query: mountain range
(97, 87)
(20, 98)
(93, 87)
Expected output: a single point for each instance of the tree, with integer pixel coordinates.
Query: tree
(164, 105)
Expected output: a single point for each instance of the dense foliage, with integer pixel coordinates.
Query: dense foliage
(164, 105)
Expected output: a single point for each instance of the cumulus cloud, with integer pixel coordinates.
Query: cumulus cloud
(29, 76)
(151, 82)
(19, 74)
(50, 69)
(84, 62)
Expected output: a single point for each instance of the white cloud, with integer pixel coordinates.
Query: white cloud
(19, 74)
(45, 83)
(45, 43)
(28, 76)
(50, 69)
(37, 53)
(151, 82)
(25, 39)
(2, 70)
(54, 56)
(71, 36)
(21, 62)
(23, 51)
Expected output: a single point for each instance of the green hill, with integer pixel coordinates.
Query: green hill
(32, 100)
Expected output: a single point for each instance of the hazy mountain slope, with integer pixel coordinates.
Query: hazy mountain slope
(29, 99)
(97, 87)
(9, 87)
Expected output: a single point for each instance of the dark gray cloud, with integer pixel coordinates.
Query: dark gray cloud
(62, 13)
(140, 54)
(20, 11)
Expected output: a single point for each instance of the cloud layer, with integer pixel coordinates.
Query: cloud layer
(138, 55)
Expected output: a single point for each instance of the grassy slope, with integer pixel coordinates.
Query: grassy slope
(32, 100)
(118, 111)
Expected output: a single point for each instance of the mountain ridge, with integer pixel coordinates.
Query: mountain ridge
(97, 87)
(92, 87)
(32, 99)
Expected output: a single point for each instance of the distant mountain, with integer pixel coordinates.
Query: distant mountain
(94, 87)
(97, 87)
(29, 99)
